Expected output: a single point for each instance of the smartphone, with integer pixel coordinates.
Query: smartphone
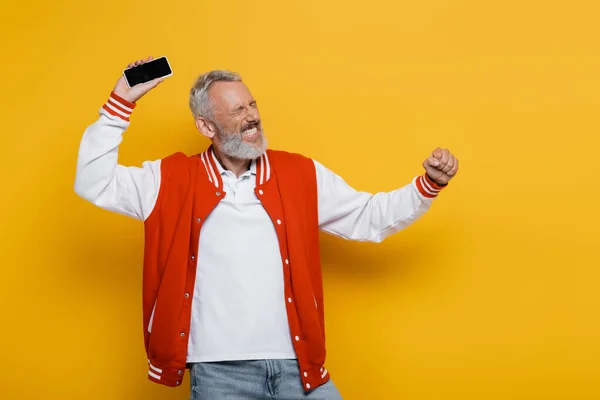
(157, 68)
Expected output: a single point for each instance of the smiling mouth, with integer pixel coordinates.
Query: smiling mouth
(251, 131)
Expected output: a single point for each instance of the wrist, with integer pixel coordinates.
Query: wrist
(433, 181)
(427, 187)
(118, 106)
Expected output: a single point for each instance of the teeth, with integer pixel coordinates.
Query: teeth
(250, 131)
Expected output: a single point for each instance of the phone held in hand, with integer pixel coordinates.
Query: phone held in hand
(148, 71)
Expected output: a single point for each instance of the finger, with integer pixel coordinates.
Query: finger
(429, 169)
(437, 153)
(139, 62)
(150, 58)
(454, 169)
(431, 162)
(152, 84)
(449, 165)
(444, 158)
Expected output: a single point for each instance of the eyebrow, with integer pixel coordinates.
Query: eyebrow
(239, 107)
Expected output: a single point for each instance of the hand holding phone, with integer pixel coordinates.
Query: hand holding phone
(147, 81)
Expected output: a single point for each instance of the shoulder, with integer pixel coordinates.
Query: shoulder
(298, 160)
(180, 158)
(286, 158)
(293, 168)
(179, 162)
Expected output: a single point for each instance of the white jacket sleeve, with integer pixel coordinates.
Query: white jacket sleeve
(362, 216)
(100, 179)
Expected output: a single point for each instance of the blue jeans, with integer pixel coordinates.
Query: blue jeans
(253, 380)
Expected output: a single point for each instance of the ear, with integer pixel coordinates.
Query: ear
(205, 127)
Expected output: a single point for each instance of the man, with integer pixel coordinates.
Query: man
(232, 285)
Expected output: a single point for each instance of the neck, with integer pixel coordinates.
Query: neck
(235, 165)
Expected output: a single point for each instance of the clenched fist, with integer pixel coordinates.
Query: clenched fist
(441, 166)
(136, 92)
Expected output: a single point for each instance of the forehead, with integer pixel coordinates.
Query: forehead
(227, 95)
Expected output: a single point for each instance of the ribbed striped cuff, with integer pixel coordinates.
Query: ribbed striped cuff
(119, 107)
(427, 187)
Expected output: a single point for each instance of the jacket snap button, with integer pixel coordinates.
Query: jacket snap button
(218, 193)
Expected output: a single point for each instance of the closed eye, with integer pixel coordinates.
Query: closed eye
(237, 110)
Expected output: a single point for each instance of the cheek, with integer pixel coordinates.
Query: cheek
(237, 128)
(231, 127)
(236, 125)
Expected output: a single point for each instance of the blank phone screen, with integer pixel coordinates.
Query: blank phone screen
(148, 71)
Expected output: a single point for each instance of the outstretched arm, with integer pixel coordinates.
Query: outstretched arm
(362, 216)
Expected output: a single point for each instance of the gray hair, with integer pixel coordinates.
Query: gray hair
(200, 102)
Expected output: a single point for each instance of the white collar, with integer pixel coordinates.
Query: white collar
(222, 170)
(260, 167)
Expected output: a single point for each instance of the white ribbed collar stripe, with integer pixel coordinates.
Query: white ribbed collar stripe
(212, 170)
(324, 373)
(262, 170)
(204, 161)
(267, 167)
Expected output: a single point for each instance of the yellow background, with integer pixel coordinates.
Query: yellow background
(493, 294)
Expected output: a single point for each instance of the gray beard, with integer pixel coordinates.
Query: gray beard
(233, 146)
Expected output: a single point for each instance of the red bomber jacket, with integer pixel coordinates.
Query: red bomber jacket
(191, 188)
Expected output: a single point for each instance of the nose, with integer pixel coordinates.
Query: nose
(252, 115)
